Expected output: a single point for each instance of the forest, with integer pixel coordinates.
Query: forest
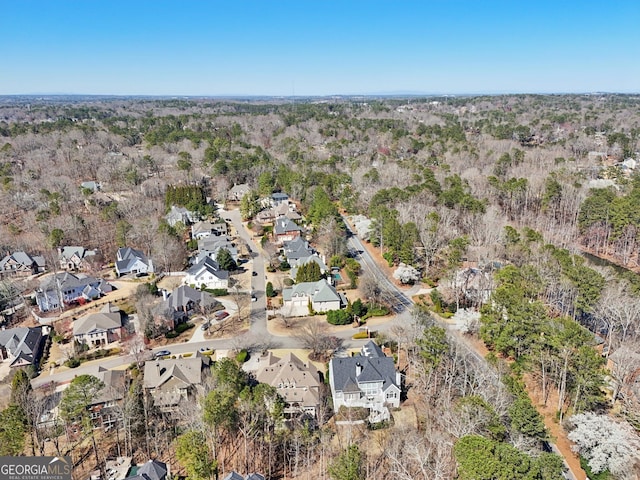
(540, 193)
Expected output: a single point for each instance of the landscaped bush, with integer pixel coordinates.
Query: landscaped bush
(360, 335)
(73, 362)
(378, 311)
(183, 327)
(217, 292)
(339, 317)
(242, 356)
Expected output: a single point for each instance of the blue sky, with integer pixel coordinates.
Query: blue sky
(307, 47)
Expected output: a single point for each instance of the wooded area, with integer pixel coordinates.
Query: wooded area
(518, 187)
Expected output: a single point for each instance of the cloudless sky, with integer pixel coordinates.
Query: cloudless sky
(313, 47)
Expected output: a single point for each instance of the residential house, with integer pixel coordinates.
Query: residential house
(129, 260)
(236, 476)
(321, 296)
(207, 273)
(184, 301)
(151, 470)
(22, 264)
(211, 245)
(181, 215)
(99, 329)
(174, 380)
(368, 380)
(206, 229)
(297, 249)
(237, 192)
(104, 405)
(285, 230)
(21, 346)
(74, 257)
(68, 288)
(279, 198)
(91, 185)
(298, 262)
(297, 382)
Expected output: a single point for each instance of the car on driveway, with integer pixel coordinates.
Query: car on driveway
(161, 353)
(222, 314)
(205, 325)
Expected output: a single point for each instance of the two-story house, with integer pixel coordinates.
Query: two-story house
(172, 381)
(99, 329)
(320, 295)
(74, 257)
(285, 230)
(368, 380)
(206, 229)
(297, 382)
(21, 346)
(238, 191)
(207, 272)
(22, 264)
(104, 407)
(67, 288)
(130, 260)
(185, 301)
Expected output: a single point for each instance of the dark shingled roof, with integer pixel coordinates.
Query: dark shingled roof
(371, 365)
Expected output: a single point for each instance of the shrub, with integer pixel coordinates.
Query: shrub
(73, 362)
(353, 278)
(217, 292)
(360, 335)
(339, 317)
(242, 356)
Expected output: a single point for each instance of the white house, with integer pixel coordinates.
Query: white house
(207, 272)
(367, 380)
(130, 260)
(322, 296)
(66, 288)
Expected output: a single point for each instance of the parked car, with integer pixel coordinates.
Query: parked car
(253, 298)
(255, 274)
(222, 314)
(205, 325)
(162, 353)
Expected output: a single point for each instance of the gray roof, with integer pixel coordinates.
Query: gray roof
(233, 476)
(348, 372)
(284, 225)
(187, 370)
(154, 469)
(297, 248)
(372, 350)
(104, 320)
(23, 258)
(68, 280)
(279, 196)
(79, 251)
(298, 262)
(181, 296)
(127, 257)
(319, 291)
(211, 266)
(22, 342)
(255, 476)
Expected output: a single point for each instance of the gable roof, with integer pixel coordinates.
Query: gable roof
(23, 259)
(104, 320)
(349, 372)
(181, 296)
(68, 280)
(127, 258)
(77, 250)
(297, 248)
(284, 225)
(22, 343)
(186, 370)
(319, 291)
(233, 476)
(154, 469)
(211, 266)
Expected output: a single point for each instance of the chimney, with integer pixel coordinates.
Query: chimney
(164, 294)
(358, 369)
